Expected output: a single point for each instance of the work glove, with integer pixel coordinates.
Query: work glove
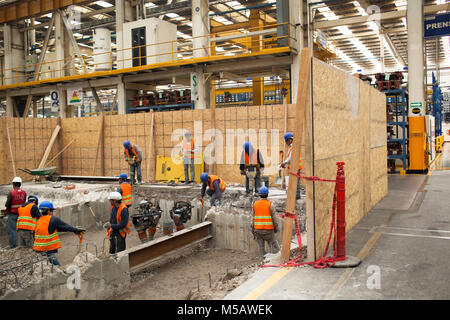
(107, 225)
(80, 230)
(243, 172)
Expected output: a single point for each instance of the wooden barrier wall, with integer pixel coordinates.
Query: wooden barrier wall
(349, 125)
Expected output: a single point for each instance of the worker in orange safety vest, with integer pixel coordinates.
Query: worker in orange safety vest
(264, 226)
(216, 187)
(289, 139)
(189, 150)
(133, 155)
(125, 190)
(26, 222)
(46, 234)
(118, 226)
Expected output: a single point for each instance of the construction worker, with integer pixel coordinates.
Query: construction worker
(46, 237)
(252, 166)
(189, 150)
(133, 155)
(216, 187)
(264, 226)
(15, 199)
(118, 225)
(289, 139)
(125, 190)
(26, 222)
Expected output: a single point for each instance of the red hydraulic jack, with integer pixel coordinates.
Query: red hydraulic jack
(341, 259)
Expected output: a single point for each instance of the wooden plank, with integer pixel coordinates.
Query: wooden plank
(100, 147)
(49, 146)
(151, 152)
(302, 96)
(64, 149)
(10, 147)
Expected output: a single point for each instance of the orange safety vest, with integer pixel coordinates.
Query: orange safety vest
(43, 241)
(127, 194)
(25, 221)
(262, 219)
(134, 151)
(254, 160)
(222, 184)
(300, 164)
(187, 150)
(124, 231)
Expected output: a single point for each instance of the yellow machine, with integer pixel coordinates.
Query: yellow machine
(418, 152)
(167, 170)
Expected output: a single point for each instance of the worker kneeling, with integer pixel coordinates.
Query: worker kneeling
(216, 187)
(264, 226)
(118, 225)
(26, 222)
(46, 237)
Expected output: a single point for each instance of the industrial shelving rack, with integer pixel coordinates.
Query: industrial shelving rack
(397, 126)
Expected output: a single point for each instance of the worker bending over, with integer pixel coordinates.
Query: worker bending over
(46, 237)
(264, 226)
(125, 190)
(133, 155)
(216, 187)
(252, 166)
(189, 149)
(26, 222)
(118, 225)
(289, 139)
(15, 199)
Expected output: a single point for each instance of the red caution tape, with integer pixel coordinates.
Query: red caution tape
(322, 262)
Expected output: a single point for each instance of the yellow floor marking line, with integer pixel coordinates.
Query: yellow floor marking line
(277, 276)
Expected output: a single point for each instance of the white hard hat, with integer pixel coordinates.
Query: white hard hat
(115, 196)
(17, 179)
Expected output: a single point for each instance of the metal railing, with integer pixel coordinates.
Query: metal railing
(258, 40)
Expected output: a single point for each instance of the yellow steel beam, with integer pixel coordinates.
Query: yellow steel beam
(147, 67)
(33, 8)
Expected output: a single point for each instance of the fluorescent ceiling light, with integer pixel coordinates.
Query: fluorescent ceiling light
(104, 4)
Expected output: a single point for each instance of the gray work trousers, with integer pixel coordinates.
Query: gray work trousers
(263, 236)
(25, 238)
(189, 164)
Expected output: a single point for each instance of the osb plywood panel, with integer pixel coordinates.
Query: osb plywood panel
(348, 122)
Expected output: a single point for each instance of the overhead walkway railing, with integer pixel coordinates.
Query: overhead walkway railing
(223, 45)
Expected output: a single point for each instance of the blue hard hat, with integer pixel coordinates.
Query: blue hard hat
(46, 205)
(33, 197)
(204, 177)
(247, 146)
(126, 144)
(288, 135)
(123, 176)
(263, 190)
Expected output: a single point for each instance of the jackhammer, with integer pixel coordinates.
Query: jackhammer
(146, 219)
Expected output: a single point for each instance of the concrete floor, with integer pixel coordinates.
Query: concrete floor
(403, 242)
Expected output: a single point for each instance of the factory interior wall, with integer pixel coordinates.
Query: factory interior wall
(347, 122)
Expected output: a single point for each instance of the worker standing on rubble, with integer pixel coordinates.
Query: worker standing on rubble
(252, 166)
(15, 199)
(264, 226)
(289, 139)
(133, 155)
(216, 187)
(26, 222)
(189, 150)
(46, 237)
(118, 225)
(125, 190)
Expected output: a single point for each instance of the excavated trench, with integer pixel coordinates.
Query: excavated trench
(206, 270)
